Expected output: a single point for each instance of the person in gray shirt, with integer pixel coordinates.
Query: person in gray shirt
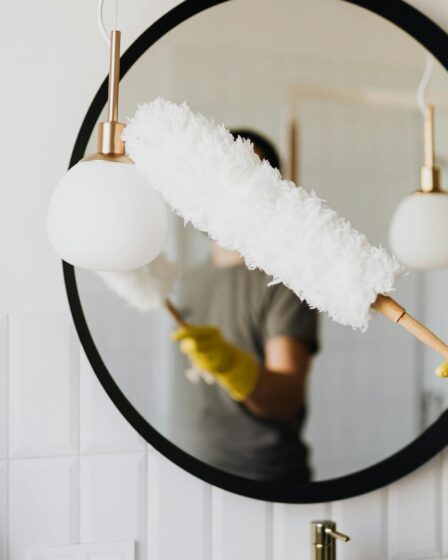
(248, 423)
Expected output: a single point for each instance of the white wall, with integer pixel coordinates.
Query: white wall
(71, 470)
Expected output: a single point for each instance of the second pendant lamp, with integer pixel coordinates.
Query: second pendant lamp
(103, 214)
(419, 227)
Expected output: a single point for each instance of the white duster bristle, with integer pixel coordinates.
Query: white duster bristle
(144, 288)
(220, 185)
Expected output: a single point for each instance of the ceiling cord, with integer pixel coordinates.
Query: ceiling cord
(423, 85)
(101, 25)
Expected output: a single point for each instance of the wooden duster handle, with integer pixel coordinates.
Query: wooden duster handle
(397, 314)
(174, 312)
(385, 305)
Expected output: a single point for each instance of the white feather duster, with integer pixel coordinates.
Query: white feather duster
(220, 185)
(144, 288)
(149, 288)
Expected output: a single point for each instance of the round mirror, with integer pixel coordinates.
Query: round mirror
(326, 91)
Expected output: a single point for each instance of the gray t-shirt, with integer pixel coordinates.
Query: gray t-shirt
(206, 422)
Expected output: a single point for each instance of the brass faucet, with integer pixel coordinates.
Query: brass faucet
(323, 540)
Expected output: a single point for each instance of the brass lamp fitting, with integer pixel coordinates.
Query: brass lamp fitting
(293, 146)
(429, 173)
(110, 144)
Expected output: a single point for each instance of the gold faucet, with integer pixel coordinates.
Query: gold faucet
(323, 540)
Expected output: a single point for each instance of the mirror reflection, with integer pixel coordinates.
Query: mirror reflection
(248, 378)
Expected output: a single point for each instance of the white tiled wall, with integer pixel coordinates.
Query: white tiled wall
(77, 473)
(43, 503)
(43, 385)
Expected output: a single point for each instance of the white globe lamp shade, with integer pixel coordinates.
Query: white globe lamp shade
(104, 215)
(419, 231)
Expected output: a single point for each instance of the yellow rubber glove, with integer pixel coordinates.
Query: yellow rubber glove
(236, 371)
(442, 370)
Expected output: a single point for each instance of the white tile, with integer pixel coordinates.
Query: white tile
(113, 499)
(414, 514)
(43, 504)
(92, 551)
(178, 504)
(43, 385)
(103, 428)
(3, 386)
(363, 519)
(3, 510)
(241, 527)
(291, 535)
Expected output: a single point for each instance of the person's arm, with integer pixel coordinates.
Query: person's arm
(275, 388)
(280, 389)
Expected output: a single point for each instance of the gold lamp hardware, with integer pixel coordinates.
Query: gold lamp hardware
(429, 173)
(110, 144)
(293, 146)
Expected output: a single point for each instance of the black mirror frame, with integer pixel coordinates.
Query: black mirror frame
(411, 457)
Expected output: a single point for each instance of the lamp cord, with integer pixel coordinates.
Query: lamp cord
(424, 82)
(101, 25)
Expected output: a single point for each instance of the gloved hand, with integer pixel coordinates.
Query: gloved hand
(442, 370)
(235, 370)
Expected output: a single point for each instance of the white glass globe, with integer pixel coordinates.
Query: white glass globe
(104, 215)
(419, 231)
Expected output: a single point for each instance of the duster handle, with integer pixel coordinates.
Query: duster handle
(385, 305)
(174, 312)
(393, 311)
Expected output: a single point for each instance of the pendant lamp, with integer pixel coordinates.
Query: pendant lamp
(104, 215)
(419, 227)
